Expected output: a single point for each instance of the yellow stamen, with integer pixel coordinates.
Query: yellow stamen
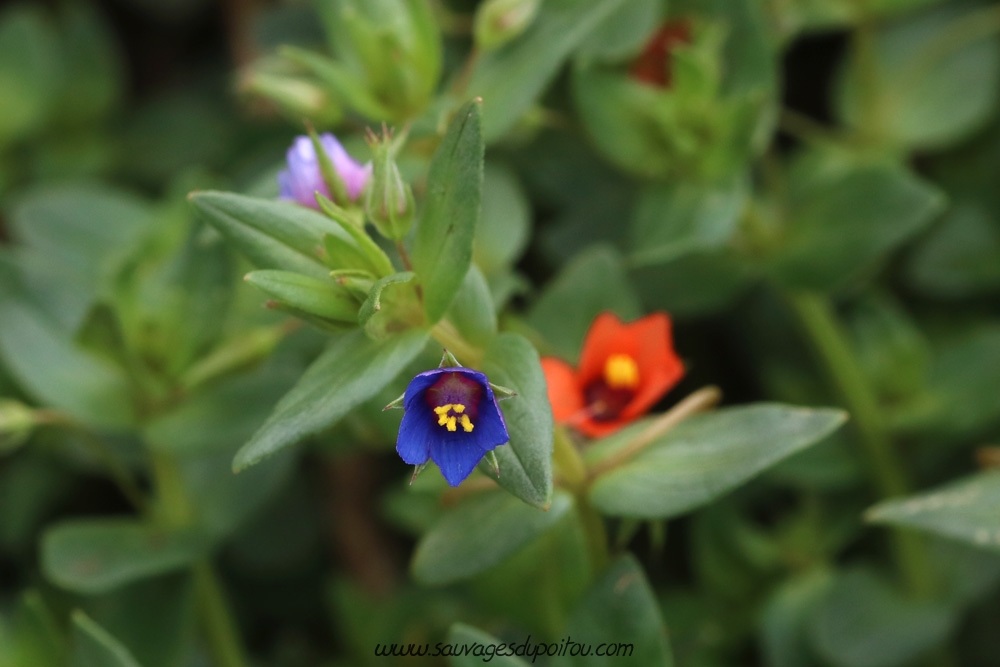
(450, 421)
(621, 372)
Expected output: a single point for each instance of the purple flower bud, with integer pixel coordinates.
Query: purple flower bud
(304, 178)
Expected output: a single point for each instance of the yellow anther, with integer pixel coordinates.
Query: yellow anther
(621, 372)
(450, 421)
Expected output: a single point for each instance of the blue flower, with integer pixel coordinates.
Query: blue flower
(303, 177)
(451, 417)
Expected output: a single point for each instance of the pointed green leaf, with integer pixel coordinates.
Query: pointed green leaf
(480, 533)
(472, 312)
(272, 234)
(967, 510)
(373, 303)
(512, 77)
(442, 249)
(317, 296)
(92, 556)
(526, 461)
(620, 611)
(350, 371)
(863, 622)
(703, 458)
(94, 647)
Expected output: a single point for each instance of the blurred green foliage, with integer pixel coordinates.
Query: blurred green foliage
(808, 187)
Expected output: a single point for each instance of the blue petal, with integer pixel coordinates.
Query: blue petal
(456, 457)
(415, 435)
(491, 429)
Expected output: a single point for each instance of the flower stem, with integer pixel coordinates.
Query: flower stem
(886, 469)
(468, 354)
(174, 510)
(701, 400)
(217, 619)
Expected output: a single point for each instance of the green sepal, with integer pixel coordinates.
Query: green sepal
(330, 176)
(502, 392)
(491, 457)
(379, 261)
(397, 403)
(448, 360)
(373, 303)
(358, 282)
(325, 299)
(416, 471)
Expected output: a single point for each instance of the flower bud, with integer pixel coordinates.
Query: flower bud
(305, 176)
(499, 21)
(389, 200)
(296, 97)
(390, 47)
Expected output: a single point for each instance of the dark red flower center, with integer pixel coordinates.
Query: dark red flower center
(611, 393)
(454, 399)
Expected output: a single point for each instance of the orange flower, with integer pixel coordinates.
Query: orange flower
(624, 369)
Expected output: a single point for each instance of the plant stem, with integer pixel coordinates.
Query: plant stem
(572, 474)
(174, 510)
(121, 475)
(217, 619)
(445, 333)
(701, 400)
(886, 469)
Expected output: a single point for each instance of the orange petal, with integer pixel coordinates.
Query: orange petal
(607, 336)
(659, 366)
(593, 428)
(564, 392)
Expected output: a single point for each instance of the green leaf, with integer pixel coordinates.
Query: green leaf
(784, 620)
(480, 533)
(960, 257)
(94, 647)
(373, 303)
(321, 297)
(339, 254)
(38, 638)
(844, 218)
(50, 367)
(472, 312)
(80, 229)
(92, 556)
(967, 510)
(698, 283)
(623, 33)
(93, 76)
(273, 234)
(526, 461)
(919, 71)
(592, 283)
(703, 458)
(863, 622)
(29, 71)
(471, 647)
(672, 220)
(442, 249)
(152, 618)
(505, 222)
(350, 371)
(512, 77)
(620, 611)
